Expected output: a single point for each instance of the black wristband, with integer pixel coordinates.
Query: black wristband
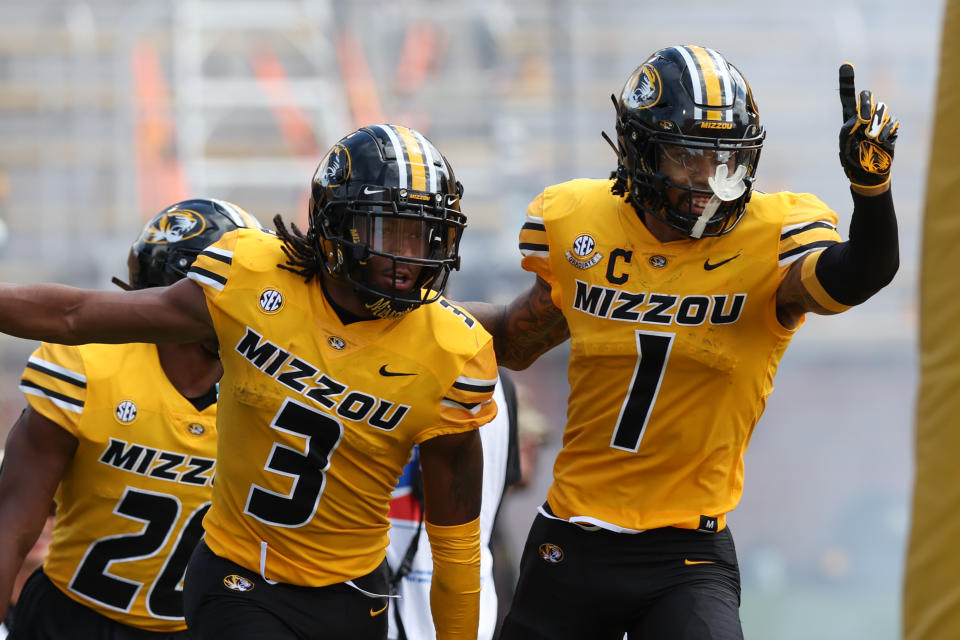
(854, 270)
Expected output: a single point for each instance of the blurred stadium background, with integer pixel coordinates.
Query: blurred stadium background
(111, 109)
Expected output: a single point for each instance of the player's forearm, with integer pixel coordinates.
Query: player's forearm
(525, 329)
(455, 590)
(854, 270)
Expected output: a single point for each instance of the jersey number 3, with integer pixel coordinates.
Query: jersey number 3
(322, 434)
(653, 350)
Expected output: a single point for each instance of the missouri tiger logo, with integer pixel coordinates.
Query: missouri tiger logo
(644, 88)
(237, 583)
(335, 168)
(550, 552)
(174, 226)
(874, 159)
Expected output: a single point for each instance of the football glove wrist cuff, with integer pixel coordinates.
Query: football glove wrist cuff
(455, 590)
(872, 190)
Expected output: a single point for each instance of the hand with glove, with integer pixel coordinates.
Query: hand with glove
(867, 137)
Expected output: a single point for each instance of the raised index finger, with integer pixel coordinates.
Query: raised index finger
(848, 95)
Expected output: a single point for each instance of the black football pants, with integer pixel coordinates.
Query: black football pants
(223, 600)
(675, 584)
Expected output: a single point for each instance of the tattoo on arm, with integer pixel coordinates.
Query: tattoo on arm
(525, 329)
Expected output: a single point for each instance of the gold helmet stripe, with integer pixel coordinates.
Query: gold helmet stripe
(414, 156)
(710, 81)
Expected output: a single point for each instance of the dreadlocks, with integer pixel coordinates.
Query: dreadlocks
(301, 250)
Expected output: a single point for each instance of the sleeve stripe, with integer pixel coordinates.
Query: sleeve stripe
(207, 277)
(476, 386)
(58, 372)
(218, 254)
(539, 250)
(805, 248)
(534, 226)
(473, 407)
(59, 399)
(794, 229)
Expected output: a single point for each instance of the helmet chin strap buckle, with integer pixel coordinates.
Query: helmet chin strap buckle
(724, 189)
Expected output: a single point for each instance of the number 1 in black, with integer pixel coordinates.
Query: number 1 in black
(653, 349)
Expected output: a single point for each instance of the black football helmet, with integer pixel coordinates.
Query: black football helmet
(172, 239)
(385, 194)
(688, 105)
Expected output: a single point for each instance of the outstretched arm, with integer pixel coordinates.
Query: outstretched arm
(848, 273)
(66, 315)
(525, 329)
(452, 468)
(37, 453)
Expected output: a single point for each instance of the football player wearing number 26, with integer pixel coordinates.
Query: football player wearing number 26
(679, 287)
(123, 438)
(339, 355)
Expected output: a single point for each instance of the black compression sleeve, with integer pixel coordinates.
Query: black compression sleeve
(854, 270)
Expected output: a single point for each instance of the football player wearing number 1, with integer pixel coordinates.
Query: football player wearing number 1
(680, 288)
(123, 438)
(339, 355)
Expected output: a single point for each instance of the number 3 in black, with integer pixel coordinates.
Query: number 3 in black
(321, 434)
(653, 350)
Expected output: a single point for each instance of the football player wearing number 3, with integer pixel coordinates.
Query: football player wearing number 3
(339, 355)
(124, 439)
(680, 288)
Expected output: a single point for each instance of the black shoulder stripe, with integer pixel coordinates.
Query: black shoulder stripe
(807, 247)
(50, 393)
(812, 225)
(530, 246)
(534, 226)
(217, 256)
(208, 274)
(56, 374)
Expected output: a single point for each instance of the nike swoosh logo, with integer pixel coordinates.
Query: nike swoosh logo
(692, 562)
(367, 191)
(710, 267)
(384, 372)
(376, 613)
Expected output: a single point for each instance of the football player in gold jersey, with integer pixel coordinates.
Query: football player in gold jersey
(339, 355)
(680, 288)
(123, 438)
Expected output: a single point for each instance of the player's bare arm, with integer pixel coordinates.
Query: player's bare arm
(37, 452)
(525, 329)
(452, 477)
(848, 273)
(67, 315)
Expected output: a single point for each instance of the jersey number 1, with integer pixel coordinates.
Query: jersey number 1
(653, 350)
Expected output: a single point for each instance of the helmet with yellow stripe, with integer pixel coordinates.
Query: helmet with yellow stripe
(385, 217)
(686, 124)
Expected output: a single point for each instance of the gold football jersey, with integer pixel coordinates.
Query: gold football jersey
(131, 502)
(673, 350)
(317, 419)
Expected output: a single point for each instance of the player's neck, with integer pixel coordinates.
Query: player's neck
(344, 301)
(191, 368)
(661, 230)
